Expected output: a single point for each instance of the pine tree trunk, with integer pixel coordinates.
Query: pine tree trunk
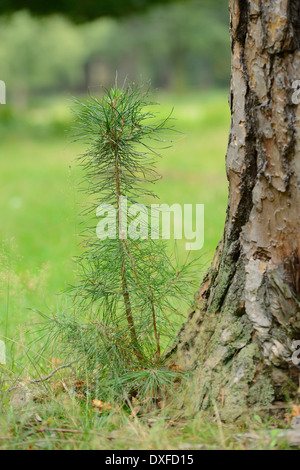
(239, 334)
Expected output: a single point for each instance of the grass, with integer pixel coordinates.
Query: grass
(56, 419)
(40, 202)
(39, 238)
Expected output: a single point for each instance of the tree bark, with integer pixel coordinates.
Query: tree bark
(239, 334)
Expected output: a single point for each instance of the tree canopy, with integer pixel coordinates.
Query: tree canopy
(80, 11)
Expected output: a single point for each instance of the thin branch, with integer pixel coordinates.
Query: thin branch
(36, 381)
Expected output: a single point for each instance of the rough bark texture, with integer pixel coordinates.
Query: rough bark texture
(239, 334)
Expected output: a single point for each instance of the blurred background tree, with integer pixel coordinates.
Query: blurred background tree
(178, 46)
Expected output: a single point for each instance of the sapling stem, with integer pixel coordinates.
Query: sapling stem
(156, 334)
(125, 291)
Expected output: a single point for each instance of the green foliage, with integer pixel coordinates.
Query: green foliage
(125, 309)
(80, 11)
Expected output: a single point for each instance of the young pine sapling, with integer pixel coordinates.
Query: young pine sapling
(131, 295)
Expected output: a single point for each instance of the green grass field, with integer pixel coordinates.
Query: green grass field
(40, 202)
(39, 238)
